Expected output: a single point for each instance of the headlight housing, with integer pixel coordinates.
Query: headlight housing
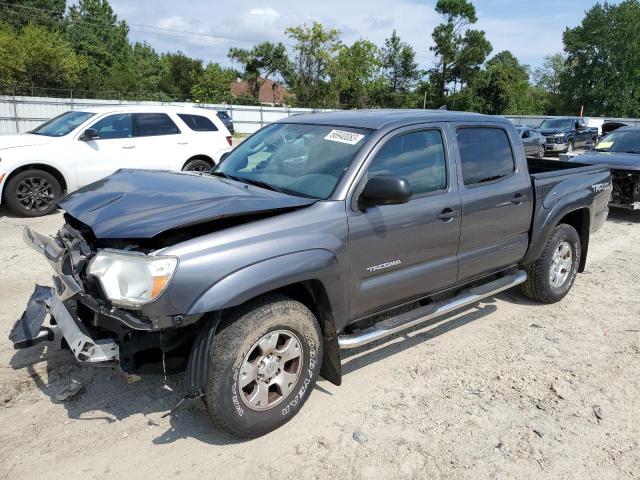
(559, 134)
(131, 279)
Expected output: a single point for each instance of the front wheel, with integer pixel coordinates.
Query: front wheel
(570, 146)
(551, 276)
(197, 165)
(540, 155)
(264, 362)
(32, 193)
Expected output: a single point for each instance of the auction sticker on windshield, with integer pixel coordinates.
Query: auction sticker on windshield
(344, 137)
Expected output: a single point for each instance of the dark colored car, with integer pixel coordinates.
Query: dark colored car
(566, 134)
(620, 152)
(532, 141)
(227, 120)
(318, 233)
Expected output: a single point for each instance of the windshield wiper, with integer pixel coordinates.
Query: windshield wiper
(260, 183)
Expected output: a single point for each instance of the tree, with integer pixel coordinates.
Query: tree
(94, 32)
(214, 85)
(459, 51)
(603, 61)
(548, 77)
(37, 57)
(19, 13)
(355, 74)
(401, 72)
(316, 49)
(180, 74)
(261, 63)
(503, 88)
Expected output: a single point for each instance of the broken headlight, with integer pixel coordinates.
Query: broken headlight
(132, 279)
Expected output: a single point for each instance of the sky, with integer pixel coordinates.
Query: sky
(530, 30)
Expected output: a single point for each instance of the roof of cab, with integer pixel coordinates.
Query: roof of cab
(378, 118)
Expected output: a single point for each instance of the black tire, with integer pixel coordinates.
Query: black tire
(32, 193)
(198, 165)
(538, 285)
(227, 403)
(540, 154)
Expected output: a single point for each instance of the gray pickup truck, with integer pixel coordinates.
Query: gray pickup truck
(318, 233)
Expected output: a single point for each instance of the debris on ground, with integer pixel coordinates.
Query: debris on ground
(359, 437)
(69, 391)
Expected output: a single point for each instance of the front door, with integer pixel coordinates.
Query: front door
(401, 252)
(110, 151)
(496, 200)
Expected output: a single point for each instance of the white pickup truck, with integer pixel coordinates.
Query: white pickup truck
(81, 146)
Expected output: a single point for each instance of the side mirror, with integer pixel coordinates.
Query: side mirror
(90, 134)
(385, 190)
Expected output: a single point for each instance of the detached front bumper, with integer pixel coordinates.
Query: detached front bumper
(28, 330)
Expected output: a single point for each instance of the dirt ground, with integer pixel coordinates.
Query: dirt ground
(506, 389)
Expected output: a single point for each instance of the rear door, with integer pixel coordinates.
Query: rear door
(400, 252)
(159, 142)
(496, 199)
(112, 150)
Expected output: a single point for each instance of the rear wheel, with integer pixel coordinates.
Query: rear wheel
(264, 362)
(32, 193)
(540, 154)
(551, 276)
(197, 165)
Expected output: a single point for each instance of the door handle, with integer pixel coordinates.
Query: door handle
(128, 147)
(518, 198)
(448, 214)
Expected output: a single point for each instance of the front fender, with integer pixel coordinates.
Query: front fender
(270, 274)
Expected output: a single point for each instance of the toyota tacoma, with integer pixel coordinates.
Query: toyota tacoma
(318, 233)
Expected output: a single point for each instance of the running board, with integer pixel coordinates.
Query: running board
(433, 310)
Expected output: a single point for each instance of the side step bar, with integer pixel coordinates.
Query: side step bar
(437, 309)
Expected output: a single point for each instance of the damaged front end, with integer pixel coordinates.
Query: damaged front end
(626, 189)
(91, 326)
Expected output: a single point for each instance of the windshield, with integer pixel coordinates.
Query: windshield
(620, 142)
(304, 160)
(62, 124)
(557, 123)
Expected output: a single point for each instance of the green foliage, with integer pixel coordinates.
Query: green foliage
(603, 61)
(35, 56)
(400, 71)
(549, 77)
(214, 85)
(46, 13)
(316, 49)
(355, 74)
(179, 74)
(94, 32)
(459, 51)
(261, 63)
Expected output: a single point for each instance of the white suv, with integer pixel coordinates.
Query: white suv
(82, 146)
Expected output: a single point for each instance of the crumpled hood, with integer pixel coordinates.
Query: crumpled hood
(612, 160)
(22, 140)
(145, 203)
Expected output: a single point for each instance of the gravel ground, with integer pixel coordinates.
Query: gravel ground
(506, 389)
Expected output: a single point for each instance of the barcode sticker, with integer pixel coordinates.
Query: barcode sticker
(344, 137)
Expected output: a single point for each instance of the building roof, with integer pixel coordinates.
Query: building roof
(378, 118)
(270, 91)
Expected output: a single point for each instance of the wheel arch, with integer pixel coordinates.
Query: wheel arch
(200, 156)
(57, 174)
(580, 219)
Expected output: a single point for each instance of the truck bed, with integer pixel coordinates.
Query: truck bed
(542, 169)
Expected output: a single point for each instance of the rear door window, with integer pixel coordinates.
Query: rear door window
(198, 123)
(485, 154)
(153, 124)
